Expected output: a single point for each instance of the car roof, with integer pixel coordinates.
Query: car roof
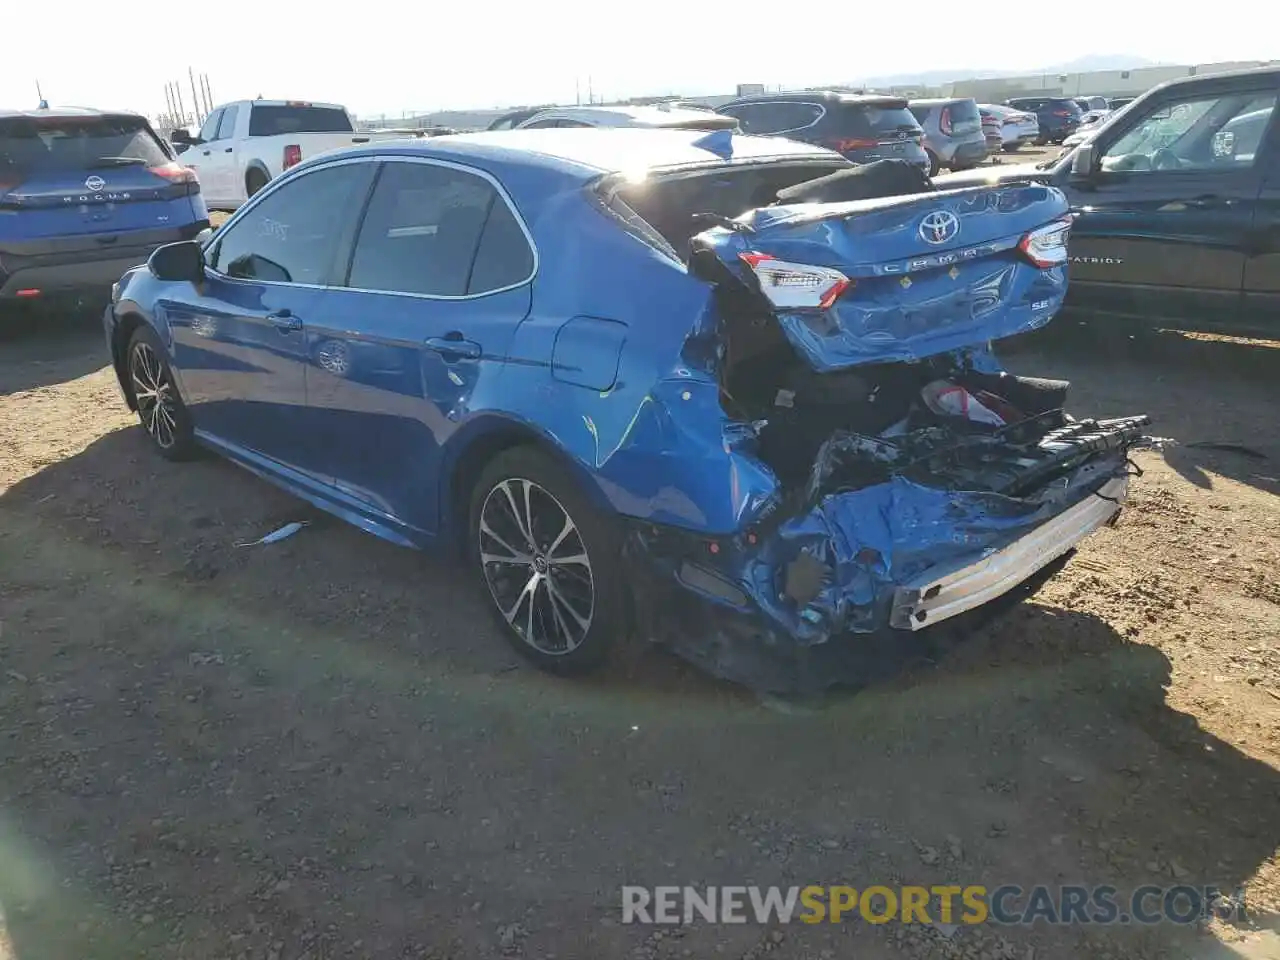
(821, 96)
(624, 114)
(69, 112)
(588, 153)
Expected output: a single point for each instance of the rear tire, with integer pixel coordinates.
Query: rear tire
(934, 166)
(549, 563)
(161, 410)
(254, 181)
(1011, 147)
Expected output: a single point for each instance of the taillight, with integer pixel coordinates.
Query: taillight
(292, 155)
(1047, 246)
(796, 286)
(845, 145)
(944, 121)
(182, 177)
(1062, 113)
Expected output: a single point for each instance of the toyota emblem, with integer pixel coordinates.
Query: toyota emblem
(95, 183)
(939, 227)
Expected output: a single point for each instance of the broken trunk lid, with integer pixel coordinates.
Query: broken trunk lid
(903, 278)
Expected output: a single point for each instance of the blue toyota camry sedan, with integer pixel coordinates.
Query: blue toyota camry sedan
(728, 392)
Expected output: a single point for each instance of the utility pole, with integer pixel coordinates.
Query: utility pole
(208, 93)
(195, 99)
(40, 96)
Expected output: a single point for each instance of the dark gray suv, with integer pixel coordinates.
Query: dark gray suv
(862, 128)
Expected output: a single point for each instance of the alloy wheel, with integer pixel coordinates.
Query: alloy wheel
(156, 397)
(536, 566)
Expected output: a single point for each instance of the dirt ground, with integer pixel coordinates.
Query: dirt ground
(321, 749)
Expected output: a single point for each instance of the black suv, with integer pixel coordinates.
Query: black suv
(1059, 116)
(860, 127)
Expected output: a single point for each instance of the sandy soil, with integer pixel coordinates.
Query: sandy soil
(321, 749)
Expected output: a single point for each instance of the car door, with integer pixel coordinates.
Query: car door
(215, 158)
(199, 157)
(1262, 263)
(1164, 219)
(223, 153)
(239, 341)
(438, 280)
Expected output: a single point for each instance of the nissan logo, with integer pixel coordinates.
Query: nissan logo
(95, 183)
(939, 227)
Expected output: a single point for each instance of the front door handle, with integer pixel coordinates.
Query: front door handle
(228, 150)
(454, 347)
(1209, 201)
(284, 321)
(206, 153)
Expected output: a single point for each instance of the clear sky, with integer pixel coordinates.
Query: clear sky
(388, 56)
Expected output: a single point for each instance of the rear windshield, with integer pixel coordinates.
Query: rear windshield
(964, 116)
(55, 144)
(669, 205)
(862, 120)
(271, 121)
(1070, 105)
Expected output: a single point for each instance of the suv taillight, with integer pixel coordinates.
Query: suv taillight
(846, 144)
(184, 178)
(292, 155)
(944, 121)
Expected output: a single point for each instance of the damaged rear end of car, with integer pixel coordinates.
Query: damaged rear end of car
(896, 475)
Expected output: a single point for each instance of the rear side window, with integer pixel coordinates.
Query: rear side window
(772, 118)
(267, 121)
(57, 144)
(1069, 105)
(425, 228)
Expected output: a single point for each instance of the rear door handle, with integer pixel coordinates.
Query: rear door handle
(229, 150)
(454, 347)
(284, 321)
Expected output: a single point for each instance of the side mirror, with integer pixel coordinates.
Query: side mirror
(181, 136)
(178, 261)
(1082, 164)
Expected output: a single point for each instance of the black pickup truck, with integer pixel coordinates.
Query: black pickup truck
(1177, 204)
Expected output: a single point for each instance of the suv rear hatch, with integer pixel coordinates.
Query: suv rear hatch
(65, 180)
(888, 125)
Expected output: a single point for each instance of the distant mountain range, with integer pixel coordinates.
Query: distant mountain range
(1079, 65)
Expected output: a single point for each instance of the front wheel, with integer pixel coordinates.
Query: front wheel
(1012, 147)
(550, 562)
(161, 411)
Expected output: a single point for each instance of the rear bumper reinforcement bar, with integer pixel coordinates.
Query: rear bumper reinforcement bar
(943, 591)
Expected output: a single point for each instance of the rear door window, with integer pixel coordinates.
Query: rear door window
(59, 144)
(426, 225)
(776, 117)
(271, 121)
